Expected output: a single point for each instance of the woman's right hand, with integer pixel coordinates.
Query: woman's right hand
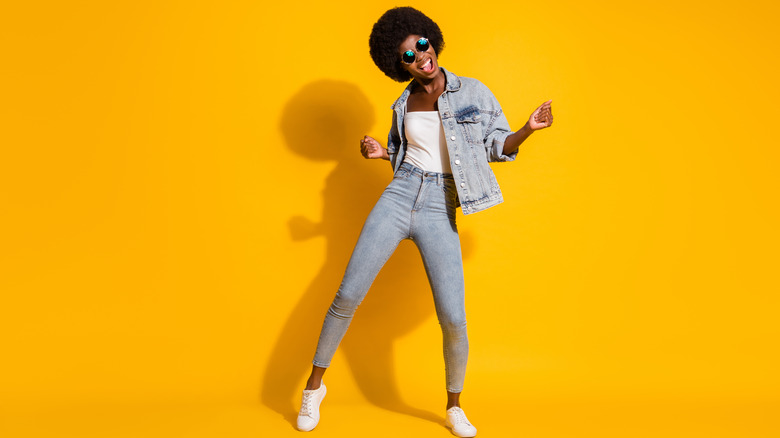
(370, 148)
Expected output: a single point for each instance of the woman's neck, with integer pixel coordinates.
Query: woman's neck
(434, 85)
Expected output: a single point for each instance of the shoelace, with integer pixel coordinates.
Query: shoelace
(306, 404)
(460, 416)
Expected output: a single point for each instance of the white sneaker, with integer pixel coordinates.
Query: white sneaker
(457, 421)
(309, 415)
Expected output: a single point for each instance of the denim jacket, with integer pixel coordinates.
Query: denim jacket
(475, 130)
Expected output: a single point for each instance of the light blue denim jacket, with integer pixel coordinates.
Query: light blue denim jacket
(475, 129)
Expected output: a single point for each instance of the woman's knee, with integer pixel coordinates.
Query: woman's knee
(345, 304)
(453, 324)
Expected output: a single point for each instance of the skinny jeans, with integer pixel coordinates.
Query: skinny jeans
(420, 206)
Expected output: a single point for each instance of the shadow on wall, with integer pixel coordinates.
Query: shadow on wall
(324, 121)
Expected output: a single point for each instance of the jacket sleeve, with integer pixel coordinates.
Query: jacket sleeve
(393, 142)
(496, 132)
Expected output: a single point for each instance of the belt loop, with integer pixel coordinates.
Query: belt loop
(438, 179)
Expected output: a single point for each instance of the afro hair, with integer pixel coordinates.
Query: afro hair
(392, 28)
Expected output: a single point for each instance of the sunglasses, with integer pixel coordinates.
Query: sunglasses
(422, 45)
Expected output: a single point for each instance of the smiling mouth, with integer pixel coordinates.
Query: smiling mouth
(428, 66)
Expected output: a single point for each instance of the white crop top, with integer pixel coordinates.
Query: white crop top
(426, 145)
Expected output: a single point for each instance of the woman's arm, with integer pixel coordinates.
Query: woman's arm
(541, 118)
(370, 148)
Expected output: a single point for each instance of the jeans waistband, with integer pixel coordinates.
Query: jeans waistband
(424, 173)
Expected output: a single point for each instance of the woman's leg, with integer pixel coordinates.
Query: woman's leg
(445, 272)
(436, 235)
(383, 230)
(385, 227)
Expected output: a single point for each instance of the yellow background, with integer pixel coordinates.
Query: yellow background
(180, 189)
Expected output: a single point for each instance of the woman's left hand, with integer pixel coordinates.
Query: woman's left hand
(541, 117)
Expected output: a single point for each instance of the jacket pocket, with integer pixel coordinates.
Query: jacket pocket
(469, 119)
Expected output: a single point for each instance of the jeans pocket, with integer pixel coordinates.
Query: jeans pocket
(402, 173)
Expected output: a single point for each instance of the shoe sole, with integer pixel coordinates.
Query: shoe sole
(452, 429)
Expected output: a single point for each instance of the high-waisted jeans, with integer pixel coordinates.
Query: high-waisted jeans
(420, 206)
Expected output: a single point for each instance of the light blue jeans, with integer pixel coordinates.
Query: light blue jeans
(420, 206)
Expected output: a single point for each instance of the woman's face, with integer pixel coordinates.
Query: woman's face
(425, 65)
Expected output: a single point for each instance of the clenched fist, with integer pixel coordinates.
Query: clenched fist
(370, 148)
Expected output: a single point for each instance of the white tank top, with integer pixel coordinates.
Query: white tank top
(426, 144)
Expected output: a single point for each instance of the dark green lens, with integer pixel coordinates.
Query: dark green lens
(408, 57)
(422, 45)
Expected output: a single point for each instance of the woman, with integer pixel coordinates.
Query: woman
(445, 130)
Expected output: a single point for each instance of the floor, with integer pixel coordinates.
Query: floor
(551, 418)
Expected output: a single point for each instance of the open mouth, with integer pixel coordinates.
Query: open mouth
(428, 66)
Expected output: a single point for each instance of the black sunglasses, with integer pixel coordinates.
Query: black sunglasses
(422, 45)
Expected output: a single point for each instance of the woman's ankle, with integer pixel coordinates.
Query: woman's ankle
(453, 399)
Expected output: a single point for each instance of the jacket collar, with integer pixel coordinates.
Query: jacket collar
(453, 81)
(453, 84)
